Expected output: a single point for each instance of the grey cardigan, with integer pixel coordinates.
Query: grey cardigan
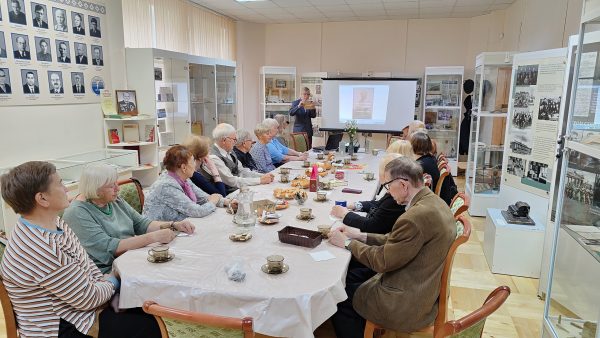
(168, 202)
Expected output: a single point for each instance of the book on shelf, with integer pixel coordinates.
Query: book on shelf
(131, 132)
(161, 113)
(114, 136)
(149, 133)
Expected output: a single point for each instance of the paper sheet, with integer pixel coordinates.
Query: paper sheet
(322, 255)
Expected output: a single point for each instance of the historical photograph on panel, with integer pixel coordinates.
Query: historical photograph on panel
(77, 20)
(582, 161)
(521, 143)
(78, 83)
(60, 19)
(42, 49)
(522, 118)
(583, 187)
(16, 12)
(516, 166)
(549, 108)
(586, 137)
(39, 15)
(3, 52)
(64, 54)
(527, 75)
(29, 78)
(523, 97)
(94, 25)
(97, 56)
(5, 86)
(538, 172)
(20, 44)
(81, 53)
(126, 102)
(55, 82)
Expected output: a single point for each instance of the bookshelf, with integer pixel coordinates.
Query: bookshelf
(278, 88)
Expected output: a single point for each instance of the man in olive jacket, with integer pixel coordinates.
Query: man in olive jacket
(408, 262)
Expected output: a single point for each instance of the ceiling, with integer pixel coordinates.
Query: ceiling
(300, 11)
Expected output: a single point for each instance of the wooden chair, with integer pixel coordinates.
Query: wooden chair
(463, 232)
(459, 204)
(471, 325)
(132, 192)
(10, 322)
(442, 163)
(444, 172)
(300, 141)
(187, 324)
(427, 179)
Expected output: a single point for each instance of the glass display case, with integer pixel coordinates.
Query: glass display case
(442, 109)
(226, 93)
(278, 87)
(572, 298)
(172, 90)
(488, 128)
(203, 101)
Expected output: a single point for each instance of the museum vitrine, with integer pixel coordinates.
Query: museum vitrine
(442, 109)
(572, 298)
(278, 90)
(488, 126)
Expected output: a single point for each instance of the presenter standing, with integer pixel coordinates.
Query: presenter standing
(303, 109)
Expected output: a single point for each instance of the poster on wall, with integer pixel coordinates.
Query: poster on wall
(52, 52)
(533, 120)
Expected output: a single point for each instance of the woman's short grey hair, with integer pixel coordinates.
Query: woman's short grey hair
(280, 118)
(242, 136)
(221, 131)
(94, 176)
(261, 129)
(404, 167)
(270, 123)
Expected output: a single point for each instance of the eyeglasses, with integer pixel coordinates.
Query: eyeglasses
(386, 185)
(232, 138)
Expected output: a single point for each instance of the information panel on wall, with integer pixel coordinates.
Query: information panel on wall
(52, 52)
(533, 120)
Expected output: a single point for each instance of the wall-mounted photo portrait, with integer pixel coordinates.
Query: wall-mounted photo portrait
(97, 56)
(64, 54)
(29, 78)
(94, 24)
(20, 46)
(81, 53)
(60, 19)
(77, 20)
(5, 87)
(2, 45)
(55, 82)
(43, 50)
(16, 12)
(78, 83)
(126, 102)
(39, 15)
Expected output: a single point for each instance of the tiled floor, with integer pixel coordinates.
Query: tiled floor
(472, 281)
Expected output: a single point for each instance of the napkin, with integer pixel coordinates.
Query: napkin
(322, 255)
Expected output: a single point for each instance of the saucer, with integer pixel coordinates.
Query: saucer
(268, 221)
(321, 201)
(153, 260)
(240, 237)
(305, 219)
(372, 179)
(265, 269)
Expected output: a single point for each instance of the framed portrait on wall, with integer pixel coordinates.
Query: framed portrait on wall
(280, 84)
(126, 102)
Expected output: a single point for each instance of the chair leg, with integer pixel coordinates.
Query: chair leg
(373, 331)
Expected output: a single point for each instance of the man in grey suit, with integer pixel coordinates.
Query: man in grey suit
(4, 85)
(401, 292)
(30, 87)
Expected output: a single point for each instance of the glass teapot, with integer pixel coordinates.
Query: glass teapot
(245, 216)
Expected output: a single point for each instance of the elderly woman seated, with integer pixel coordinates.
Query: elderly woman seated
(259, 151)
(173, 197)
(381, 214)
(280, 153)
(242, 149)
(52, 283)
(106, 225)
(206, 176)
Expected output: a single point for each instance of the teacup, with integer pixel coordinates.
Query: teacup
(159, 253)
(347, 160)
(305, 213)
(284, 170)
(284, 178)
(324, 230)
(321, 195)
(306, 164)
(369, 176)
(354, 157)
(375, 152)
(320, 156)
(275, 263)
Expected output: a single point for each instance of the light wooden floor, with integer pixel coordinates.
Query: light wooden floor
(472, 281)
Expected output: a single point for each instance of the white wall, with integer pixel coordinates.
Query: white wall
(47, 131)
(250, 56)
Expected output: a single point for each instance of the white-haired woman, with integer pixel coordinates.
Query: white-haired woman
(283, 134)
(280, 153)
(259, 151)
(242, 149)
(106, 225)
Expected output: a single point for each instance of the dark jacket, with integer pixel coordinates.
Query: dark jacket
(429, 165)
(246, 159)
(380, 218)
(302, 122)
(208, 186)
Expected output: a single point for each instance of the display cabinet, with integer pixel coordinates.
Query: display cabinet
(314, 82)
(488, 128)
(442, 109)
(278, 88)
(572, 298)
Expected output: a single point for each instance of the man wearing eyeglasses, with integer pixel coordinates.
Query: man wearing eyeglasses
(233, 174)
(406, 264)
(242, 149)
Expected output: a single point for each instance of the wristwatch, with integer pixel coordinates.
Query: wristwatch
(347, 243)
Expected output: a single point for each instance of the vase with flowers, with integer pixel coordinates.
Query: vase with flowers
(351, 129)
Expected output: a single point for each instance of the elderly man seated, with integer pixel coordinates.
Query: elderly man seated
(233, 174)
(400, 286)
(280, 153)
(242, 149)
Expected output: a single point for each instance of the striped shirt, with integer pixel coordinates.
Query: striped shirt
(49, 276)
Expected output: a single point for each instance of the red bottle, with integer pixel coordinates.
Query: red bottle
(314, 179)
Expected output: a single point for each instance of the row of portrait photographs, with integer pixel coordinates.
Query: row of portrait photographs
(22, 50)
(39, 18)
(31, 85)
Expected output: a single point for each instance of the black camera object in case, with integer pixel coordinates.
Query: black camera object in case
(518, 213)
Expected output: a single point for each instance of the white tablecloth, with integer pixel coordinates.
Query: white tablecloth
(292, 304)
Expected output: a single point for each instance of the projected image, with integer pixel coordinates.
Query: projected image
(368, 104)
